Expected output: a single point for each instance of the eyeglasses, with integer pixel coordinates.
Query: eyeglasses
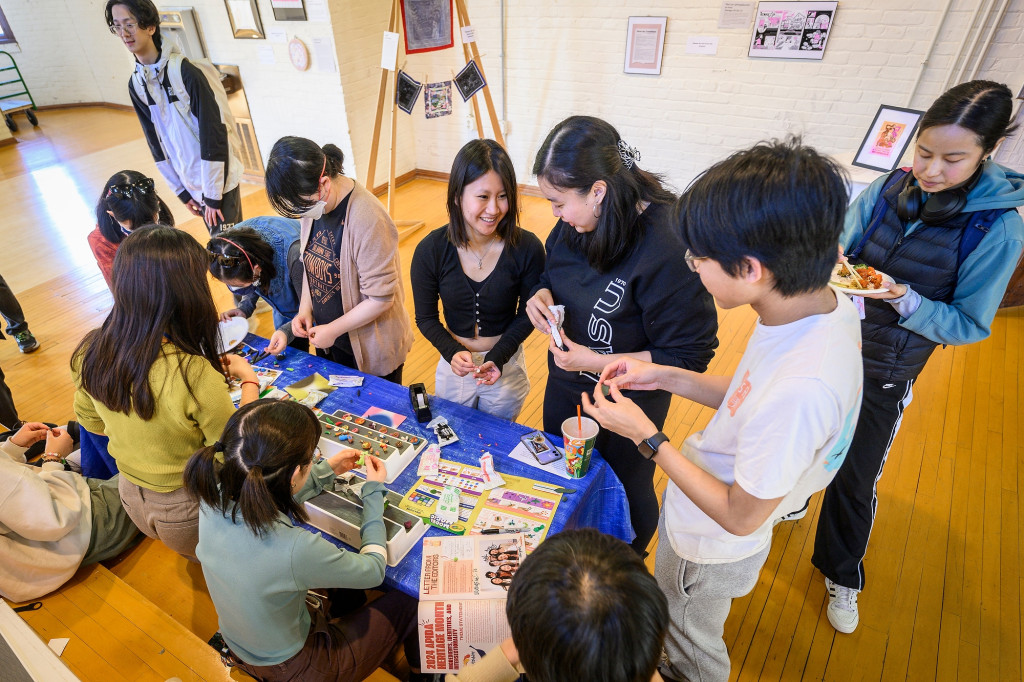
(691, 260)
(127, 27)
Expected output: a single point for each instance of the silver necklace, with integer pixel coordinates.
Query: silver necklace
(480, 259)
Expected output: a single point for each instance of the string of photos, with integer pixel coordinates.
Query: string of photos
(437, 97)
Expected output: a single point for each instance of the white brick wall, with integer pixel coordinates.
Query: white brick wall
(565, 57)
(65, 52)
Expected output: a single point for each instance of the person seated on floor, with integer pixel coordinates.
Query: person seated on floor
(51, 520)
(151, 379)
(581, 607)
(261, 258)
(128, 200)
(259, 566)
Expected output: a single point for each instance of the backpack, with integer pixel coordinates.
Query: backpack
(183, 105)
(978, 227)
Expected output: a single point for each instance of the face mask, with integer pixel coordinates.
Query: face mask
(125, 230)
(243, 288)
(316, 211)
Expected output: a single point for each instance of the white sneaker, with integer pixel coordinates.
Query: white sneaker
(794, 515)
(842, 607)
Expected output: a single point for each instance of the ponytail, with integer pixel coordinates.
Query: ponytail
(201, 476)
(261, 453)
(256, 502)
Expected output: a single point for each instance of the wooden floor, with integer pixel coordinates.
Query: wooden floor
(945, 569)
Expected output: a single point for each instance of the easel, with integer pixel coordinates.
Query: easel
(469, 50)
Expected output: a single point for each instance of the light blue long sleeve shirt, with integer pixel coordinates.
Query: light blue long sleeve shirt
(259, 584)
(983, 275)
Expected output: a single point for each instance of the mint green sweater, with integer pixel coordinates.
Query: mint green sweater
(259, 584)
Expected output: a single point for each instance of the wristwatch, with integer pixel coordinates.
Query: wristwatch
(648, 447)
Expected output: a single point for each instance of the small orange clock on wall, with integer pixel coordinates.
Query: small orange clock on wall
(298, 54)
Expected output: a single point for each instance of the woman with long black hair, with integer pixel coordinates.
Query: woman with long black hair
(151, 380)
(615, 261)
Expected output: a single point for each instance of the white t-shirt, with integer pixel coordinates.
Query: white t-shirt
(782, 431)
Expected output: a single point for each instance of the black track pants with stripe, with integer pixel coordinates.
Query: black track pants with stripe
(850, 503)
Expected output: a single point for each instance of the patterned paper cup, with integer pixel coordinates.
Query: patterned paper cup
(578, 446)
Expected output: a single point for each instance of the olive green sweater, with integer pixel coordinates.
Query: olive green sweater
(153, 453)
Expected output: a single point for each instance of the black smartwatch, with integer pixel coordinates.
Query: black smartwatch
(648, 447)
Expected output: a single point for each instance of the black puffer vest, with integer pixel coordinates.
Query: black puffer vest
(927, 261)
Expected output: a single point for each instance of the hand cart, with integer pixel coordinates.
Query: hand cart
(9, 104)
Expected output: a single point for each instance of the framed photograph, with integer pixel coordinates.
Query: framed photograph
(645, 44)
(469, 81)
(288, 10)
(427, 24)
(792, 30)
(407, 91)
(245, 19)
(887, 138)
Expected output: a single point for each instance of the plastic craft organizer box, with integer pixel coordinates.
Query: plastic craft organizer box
(344, 430)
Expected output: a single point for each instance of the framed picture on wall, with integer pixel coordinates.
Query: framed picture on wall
(245, 19)
(427, 24)
(891, 131)
(288, 10)
(792, 30)
(645, 44)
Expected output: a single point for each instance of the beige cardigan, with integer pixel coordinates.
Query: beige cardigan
(45, 525)
(370, 267)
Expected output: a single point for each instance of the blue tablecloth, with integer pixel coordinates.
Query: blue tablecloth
(599, 501)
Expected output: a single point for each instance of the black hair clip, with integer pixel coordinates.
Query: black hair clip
(218, 447)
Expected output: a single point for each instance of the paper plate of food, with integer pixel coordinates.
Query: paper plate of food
(860, 280)
(231, 333)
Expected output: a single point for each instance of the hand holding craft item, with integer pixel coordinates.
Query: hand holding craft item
(556, 327)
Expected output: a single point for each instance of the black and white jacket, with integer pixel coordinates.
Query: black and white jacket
(192, 145)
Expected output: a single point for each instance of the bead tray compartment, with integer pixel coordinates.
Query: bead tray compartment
(339, 512)
(392, 446)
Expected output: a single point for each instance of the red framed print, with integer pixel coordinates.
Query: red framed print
(427, 24)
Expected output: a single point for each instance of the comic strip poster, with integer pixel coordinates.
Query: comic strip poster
(792, 30)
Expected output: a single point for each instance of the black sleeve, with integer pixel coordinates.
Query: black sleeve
(213, 133)
(531, 262)
(678, 313)
(426, 293)
(545, 280)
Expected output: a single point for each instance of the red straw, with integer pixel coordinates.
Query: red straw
(579, 420)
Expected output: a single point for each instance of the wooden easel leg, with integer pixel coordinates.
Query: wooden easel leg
(371, 170)
(460, 6)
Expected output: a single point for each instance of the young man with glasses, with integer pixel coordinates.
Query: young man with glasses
(193, 144)
(763, 227)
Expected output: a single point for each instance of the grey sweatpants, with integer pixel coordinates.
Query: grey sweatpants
(699, 597)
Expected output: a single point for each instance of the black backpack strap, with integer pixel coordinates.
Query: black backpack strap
(980, 223)
(879, 212)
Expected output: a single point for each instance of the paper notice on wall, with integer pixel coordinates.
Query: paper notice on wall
(389, 51)
(316, 10)
(277, 35)
(323, 53)
(736, 15)
(468, 34)
(702, 45)
(266, 54)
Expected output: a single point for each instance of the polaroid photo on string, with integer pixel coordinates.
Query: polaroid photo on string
(407, 92)
(437, 99)
(469, 81)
